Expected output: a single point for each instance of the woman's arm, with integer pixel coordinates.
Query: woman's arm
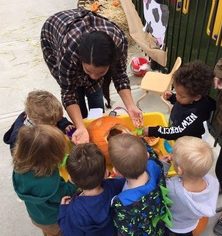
(134, 112)
(81, 134)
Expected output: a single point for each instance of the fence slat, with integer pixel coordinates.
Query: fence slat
(186, 35)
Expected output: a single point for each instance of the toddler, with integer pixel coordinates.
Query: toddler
(141, 208)
(41, 107)
(37, 154)
(191, 103)
(194, 192)
(89, 213)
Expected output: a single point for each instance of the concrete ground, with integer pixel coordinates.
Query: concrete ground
(22, 70)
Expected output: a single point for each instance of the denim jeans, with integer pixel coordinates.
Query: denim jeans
(95, 100)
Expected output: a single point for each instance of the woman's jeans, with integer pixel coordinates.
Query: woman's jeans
(95, 100)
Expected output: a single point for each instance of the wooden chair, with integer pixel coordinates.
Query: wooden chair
(158, 82)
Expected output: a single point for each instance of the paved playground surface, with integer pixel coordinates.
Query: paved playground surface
(22, 70)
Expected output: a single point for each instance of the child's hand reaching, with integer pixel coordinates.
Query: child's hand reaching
(65, 200)
(167, 158)
(166, 161)
(167, 95)
(70, 129)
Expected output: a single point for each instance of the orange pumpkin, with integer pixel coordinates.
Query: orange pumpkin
(101, 129)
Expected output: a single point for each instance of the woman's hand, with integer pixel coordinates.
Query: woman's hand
(81, 135)
(135, 113)
(136, 116)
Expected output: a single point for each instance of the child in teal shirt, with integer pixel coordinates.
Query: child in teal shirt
(36, 180)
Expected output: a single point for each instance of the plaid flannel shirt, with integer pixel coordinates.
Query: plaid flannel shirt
(60, 38)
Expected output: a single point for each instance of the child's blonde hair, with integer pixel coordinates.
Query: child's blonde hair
(193, 155)
(39, 149)
(128, 155)
(42, 107)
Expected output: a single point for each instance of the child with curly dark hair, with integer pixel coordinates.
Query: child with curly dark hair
(191, 103)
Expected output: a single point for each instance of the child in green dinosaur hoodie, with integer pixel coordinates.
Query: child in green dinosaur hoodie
(36, 180)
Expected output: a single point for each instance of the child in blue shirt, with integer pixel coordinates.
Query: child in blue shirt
(89, 212)
(141, 208)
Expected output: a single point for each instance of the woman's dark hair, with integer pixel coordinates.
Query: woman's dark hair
(97, 48)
